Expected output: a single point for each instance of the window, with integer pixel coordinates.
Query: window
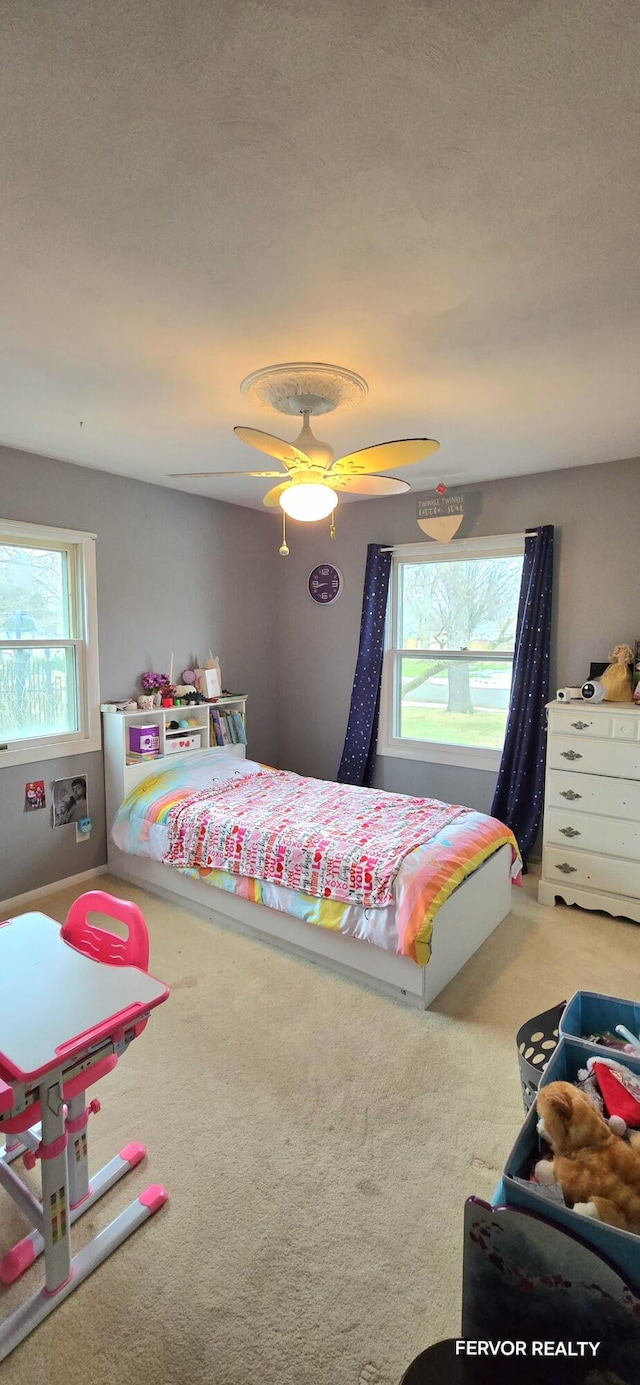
(49, 696)
(448, 665)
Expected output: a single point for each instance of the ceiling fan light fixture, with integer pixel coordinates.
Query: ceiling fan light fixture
(308, 502)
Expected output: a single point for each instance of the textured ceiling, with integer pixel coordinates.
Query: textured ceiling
(440, 194)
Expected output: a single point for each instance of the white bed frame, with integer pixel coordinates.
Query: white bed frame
(461, 926)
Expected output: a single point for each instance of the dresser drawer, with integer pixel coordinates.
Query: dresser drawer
(577, 720)
(581, 869)
(607, 836)
(616, 758)
(619, 721)
(591, 793)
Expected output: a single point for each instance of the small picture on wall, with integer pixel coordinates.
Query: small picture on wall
(69, 800)
(34, 795)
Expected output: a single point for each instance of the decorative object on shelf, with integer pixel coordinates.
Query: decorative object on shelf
(311, 477)
(441, 514)
(325, 584)
(209, 677)
(144, 740)
(592, 691)
(188, 683)
(146, 702)
(160, 687)
(617, 679)
(153, 682)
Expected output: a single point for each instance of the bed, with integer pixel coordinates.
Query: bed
(405, 922)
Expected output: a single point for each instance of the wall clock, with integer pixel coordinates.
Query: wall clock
(325, 584)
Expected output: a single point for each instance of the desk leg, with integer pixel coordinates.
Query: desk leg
(30, 1314)
(78, 1163)
(55, 1184)
(24, 1252)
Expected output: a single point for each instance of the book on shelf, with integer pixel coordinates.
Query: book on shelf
(135, 758)
(237, 721)
(217, 726)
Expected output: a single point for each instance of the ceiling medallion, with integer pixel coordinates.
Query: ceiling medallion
(298, 387)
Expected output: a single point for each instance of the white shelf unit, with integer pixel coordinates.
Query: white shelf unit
(121, 775)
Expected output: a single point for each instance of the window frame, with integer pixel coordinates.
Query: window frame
(83, 604)
(389, 742)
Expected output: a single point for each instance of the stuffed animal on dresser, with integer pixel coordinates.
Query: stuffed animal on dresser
(599, 1172)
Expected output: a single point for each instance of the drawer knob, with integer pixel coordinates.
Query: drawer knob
(570, 832)
(571, 754)
(566, 868)
(569, 793)
(581, 725)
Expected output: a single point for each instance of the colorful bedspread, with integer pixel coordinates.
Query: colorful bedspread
(427, 875)
(330, 840)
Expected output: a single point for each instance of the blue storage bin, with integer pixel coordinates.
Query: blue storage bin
(621, 1247)
(587, 1013)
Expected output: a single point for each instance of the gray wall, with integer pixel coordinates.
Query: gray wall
(176, 573)
(596, 513)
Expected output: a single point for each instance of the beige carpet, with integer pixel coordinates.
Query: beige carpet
(318, 1142)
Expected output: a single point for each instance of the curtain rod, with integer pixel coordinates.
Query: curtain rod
(528, 534)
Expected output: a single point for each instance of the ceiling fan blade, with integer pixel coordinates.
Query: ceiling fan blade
(227, 473)
(274, 447)
(273, 496)
(369, 485)
(403, 452)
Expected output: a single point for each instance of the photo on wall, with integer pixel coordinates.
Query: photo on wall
(34, 795)
(69, 800)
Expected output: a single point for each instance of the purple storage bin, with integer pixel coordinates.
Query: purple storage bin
(144, 740)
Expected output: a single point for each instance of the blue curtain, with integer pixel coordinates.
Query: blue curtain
(359, 754)
(519, 791)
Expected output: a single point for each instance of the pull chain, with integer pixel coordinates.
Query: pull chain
(284, 550)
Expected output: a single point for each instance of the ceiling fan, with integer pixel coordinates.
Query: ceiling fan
(311, 478)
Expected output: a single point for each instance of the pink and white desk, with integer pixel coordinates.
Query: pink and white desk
(65, 1019)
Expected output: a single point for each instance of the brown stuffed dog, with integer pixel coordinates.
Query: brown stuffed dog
(599, 1173)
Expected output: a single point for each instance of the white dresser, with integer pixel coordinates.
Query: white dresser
(591, 842)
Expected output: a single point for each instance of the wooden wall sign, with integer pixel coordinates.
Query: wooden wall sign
(440, 516)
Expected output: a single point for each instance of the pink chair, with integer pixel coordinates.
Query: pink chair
(132, 951)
